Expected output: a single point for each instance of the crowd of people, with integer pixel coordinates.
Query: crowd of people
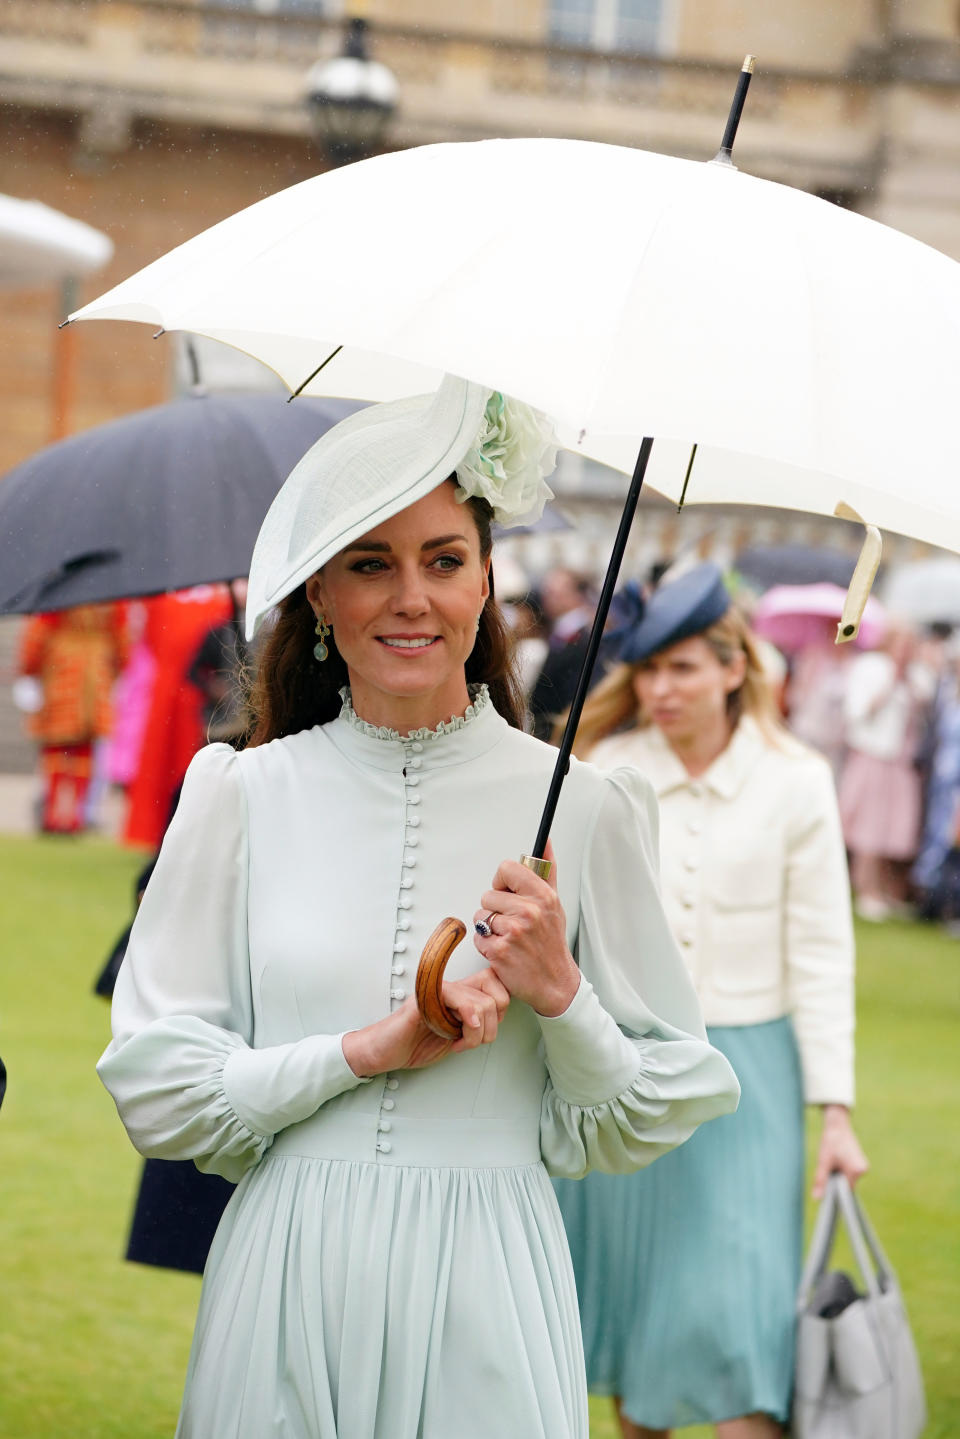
(887, 719)
(125, 694)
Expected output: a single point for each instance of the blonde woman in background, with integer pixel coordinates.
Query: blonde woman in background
(687, 1273)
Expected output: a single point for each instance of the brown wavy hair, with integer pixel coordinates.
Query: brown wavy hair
(290, 691)
(613, 706)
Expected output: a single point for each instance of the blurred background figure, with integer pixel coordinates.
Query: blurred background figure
(131, 702)
(887, 698)
(936, 873)
(219, 669)
(566, 601)
(687, 1271)
(529, 625)
(815, 697)
(176, 624)
(801, 621)
(75, 657)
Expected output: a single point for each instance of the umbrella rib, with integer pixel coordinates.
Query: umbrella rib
(686, 480)
(300, 388)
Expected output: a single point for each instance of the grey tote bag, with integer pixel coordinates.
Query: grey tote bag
(857, 1374)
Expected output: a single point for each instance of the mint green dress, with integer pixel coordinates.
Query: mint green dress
(392, 1264)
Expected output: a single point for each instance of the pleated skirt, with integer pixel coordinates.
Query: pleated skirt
(687, 1271)
(348, 1300)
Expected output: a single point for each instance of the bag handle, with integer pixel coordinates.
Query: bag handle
(821, 1243)
(841, 1200)
(862, 1236)
(850, 1211)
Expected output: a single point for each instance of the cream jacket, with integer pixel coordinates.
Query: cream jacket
(755, 888)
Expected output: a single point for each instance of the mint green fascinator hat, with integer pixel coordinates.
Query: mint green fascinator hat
(384, 458)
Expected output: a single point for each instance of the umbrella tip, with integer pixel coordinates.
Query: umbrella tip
(724, 154)
(63, 323)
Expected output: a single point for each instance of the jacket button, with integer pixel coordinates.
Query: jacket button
(416, 762)
(416, 746)
(384, 1126)
(384, 1146)
(413, 779)
(398, 994)
(412, 799)
(387, 1104)
(399, 947)
(393, 1084)
(413, 819)
(404, 901)
(399, 969)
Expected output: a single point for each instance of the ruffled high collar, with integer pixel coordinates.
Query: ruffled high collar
(455, 741)
(479, 700)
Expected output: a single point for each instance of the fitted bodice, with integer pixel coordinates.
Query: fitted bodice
(339, 913)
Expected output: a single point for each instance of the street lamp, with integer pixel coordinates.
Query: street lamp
(351, 99)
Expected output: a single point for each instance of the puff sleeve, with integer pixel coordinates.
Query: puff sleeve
(630, 1071)
(181, 1068)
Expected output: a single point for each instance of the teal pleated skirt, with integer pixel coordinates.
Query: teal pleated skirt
(687, 1271)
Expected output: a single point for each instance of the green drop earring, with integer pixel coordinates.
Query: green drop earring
(320, 651)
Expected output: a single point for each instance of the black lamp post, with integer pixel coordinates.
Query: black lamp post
(351, 99)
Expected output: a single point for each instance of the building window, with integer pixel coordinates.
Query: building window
(609, 24)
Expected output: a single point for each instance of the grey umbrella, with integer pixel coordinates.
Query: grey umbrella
(159, 500)
(767, 565)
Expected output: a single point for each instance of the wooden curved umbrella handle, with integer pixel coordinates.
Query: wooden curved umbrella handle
(436, 1015)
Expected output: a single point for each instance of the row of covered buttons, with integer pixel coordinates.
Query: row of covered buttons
(387, 1103)
(412, 752)
(412, 764)
(691, 863)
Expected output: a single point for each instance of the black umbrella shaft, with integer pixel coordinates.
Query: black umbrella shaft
(593, 646)
(736, 109)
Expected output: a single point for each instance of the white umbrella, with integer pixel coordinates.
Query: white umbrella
(39, 246)
(647, 304)
(812, 354)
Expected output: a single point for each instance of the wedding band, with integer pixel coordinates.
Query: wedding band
(484, 928)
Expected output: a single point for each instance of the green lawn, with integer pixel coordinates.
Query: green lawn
(93, 1348)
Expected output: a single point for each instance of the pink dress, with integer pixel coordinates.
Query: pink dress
(880, 788)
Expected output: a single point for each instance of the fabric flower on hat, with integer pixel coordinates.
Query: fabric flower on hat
(515, 449)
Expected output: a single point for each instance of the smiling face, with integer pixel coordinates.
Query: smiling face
(683, 689)
(403, 603)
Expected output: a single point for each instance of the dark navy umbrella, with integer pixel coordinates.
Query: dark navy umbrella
(160, 500)
(767, 565)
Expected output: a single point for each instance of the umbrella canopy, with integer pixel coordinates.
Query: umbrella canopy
(811, 354)
(160, 500)
(763, 566)
(792, 617)
(39, 245)
(926, 591)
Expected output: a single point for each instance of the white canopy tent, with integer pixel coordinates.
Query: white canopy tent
(41, 246)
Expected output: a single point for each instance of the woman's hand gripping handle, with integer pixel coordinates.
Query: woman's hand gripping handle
(520, 931)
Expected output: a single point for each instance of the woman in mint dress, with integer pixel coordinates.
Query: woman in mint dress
(687, 1273)
(393, 1264)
